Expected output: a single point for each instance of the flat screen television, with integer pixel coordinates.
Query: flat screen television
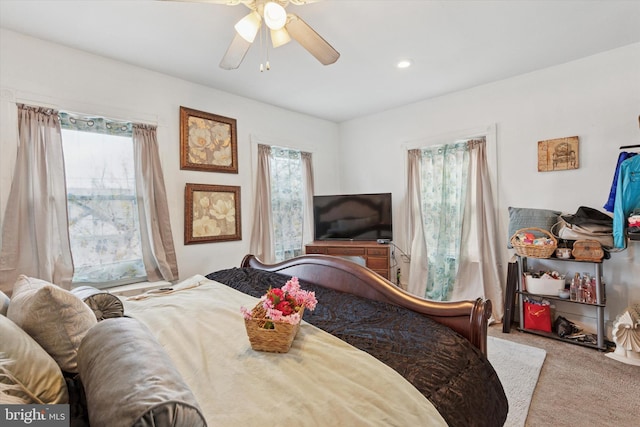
(353, 217)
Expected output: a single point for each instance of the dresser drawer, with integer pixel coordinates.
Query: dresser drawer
(345, 251)
(377, 263)
(315, 250)
(382, 251)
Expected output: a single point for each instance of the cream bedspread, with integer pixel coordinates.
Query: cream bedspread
(321, 381)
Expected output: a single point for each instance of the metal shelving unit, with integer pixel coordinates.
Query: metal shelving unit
(599, 305)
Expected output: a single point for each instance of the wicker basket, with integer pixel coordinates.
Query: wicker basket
(534, 251)
(276, 340)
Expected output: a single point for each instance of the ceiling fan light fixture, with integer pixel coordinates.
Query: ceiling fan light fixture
(248, 26)
(279, 37)
(274, 15)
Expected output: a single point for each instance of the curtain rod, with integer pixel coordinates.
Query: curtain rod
(629, 146)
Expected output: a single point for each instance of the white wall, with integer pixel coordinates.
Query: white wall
(596, 98)
(42, 73)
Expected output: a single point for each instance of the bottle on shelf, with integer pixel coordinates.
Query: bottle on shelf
(586, 288)
(580, 289)
(573, 288)
(592, 288)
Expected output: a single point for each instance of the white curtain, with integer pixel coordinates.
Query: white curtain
(262, 232)
(419, 265)
(479, 274)
(308, 188)
(35, 239)
(158, 252)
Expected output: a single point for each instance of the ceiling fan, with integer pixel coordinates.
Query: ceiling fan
(282, 26)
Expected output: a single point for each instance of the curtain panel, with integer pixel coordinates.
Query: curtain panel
(487, 230)
(308, 189)
(262, 231)
(158, 251)
(444, 172)
(419, 265)
(35, 239)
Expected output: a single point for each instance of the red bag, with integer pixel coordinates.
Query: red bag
(537, 316)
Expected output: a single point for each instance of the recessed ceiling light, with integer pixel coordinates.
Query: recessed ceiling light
(404, 63)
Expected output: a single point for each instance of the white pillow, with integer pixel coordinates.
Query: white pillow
(26, 365)
(54, 317)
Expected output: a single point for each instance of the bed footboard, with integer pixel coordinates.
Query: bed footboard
(468, 318)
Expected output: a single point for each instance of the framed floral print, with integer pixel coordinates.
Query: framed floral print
(207, 142)
(211, 213)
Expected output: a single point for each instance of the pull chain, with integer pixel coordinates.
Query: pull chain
(264, 49)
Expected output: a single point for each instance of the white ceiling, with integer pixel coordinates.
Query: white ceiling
(454, 44)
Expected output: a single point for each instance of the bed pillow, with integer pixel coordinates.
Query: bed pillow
(4, 303)
(128, 376)
(103, 304)
(52, 316)
(528, 217)
(36, 377)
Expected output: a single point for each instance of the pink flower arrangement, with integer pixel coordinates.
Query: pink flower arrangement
(283, 304)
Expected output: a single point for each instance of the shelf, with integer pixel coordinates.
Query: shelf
(566, 260)
(559, 338)
(557, 298)
(599, 306)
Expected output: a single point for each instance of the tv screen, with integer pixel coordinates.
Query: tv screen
(353, 217)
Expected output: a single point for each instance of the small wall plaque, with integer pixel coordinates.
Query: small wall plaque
(558, 154)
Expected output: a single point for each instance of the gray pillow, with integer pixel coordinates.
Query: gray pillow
(103, 304)
(529, 217)
(129, 379)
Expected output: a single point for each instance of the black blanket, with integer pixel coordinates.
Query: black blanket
(447, 369)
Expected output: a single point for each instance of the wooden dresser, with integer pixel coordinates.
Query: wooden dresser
(375, 255)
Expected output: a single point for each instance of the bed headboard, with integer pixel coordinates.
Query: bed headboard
(468, 318)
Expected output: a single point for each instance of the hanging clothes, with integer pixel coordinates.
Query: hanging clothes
(609, 206)
(627, 198)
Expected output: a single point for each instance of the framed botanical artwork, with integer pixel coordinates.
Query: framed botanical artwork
(558, 154)
(207, 142)
(211, 213)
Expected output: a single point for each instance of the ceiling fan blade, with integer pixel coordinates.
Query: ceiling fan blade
(235, 53)
(310, 40)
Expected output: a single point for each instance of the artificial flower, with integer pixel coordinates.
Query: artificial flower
(283, 304)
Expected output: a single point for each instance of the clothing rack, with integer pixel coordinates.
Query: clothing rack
(630, 146)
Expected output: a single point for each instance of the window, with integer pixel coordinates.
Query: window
(104, 228)
(100, 196)
(287, 202)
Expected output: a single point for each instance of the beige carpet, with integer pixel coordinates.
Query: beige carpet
(579, 386)
(518, 367)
